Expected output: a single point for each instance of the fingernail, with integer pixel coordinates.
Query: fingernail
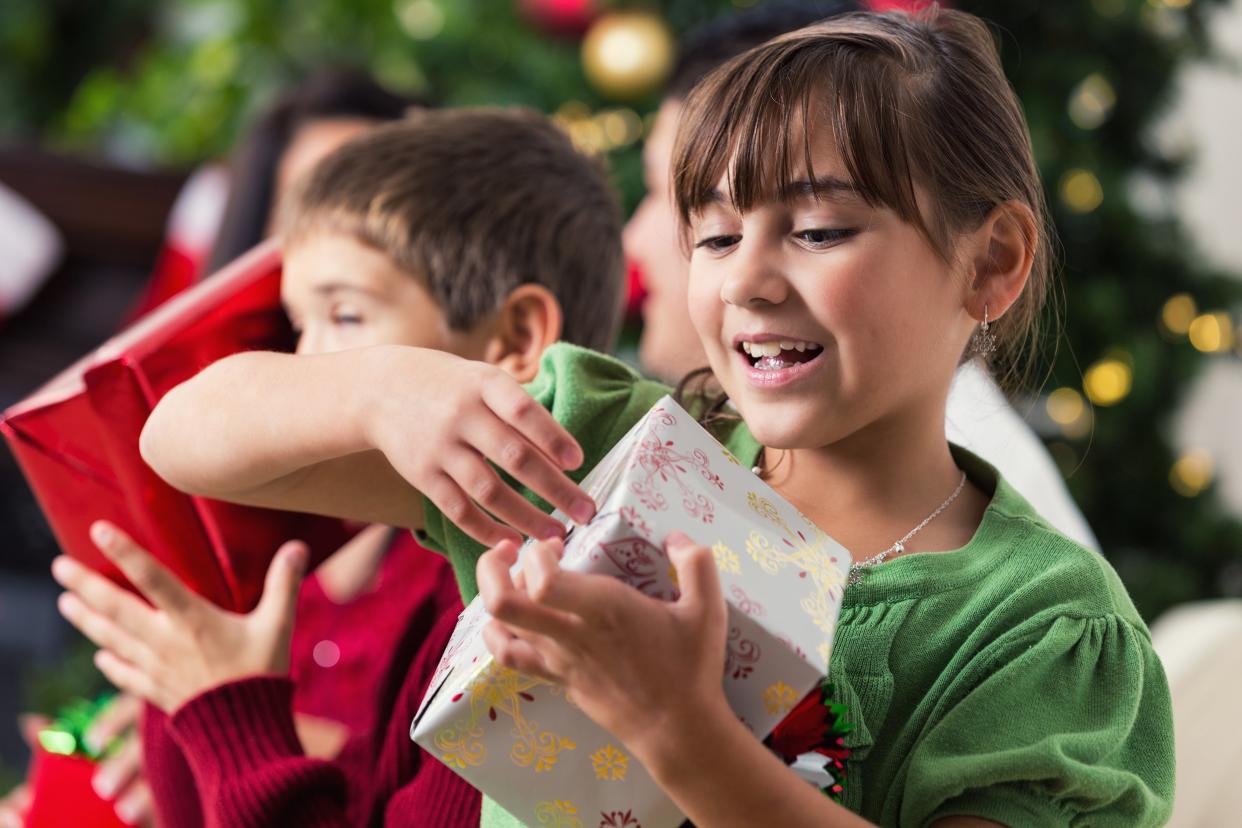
(570, 457)
(128, 812)
(583, 510)
(94, 741)
(60, 567)
(678, 538)
(101, 533)
(552, 532)
(104, 784)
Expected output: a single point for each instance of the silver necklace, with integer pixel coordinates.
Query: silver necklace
(857, 569)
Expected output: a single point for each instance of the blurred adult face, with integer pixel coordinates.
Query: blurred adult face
(669, 347)
(312, 141)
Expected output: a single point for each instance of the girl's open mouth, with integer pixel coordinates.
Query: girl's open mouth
(778, 354)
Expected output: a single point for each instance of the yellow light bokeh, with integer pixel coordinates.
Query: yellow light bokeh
(628, 54)
(1081, 190)
(1178, 312)
(1211, 333)
(420, 19)
(1092, 101)
(1065, 406)
(1108, 381)
(1192, 473)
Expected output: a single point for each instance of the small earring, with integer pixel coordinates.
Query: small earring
(982, 342)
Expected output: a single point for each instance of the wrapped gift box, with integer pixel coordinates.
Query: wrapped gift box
(76, 440)
(522, 743)
(61, 794)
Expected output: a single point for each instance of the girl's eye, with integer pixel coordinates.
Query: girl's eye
(717, 244)
(822, 237)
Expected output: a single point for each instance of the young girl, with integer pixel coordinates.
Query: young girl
(865, 213)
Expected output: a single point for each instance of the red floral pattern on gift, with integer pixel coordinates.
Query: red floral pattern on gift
(740, 655)
(618, 819)
(641, 563)
(660, 460)
(745, 604)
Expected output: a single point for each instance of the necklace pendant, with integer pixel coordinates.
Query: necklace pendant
(898, 548)
(756, 470)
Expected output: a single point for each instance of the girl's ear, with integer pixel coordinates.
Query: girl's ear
(528, 322)
(1001, 251)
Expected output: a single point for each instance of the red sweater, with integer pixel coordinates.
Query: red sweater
(231, 756)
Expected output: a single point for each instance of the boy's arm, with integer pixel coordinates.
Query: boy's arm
(280, 431)
(359, 434)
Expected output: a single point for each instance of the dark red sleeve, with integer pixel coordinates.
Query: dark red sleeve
(172, 785)
(240, 742)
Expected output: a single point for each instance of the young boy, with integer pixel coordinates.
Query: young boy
(482, 234)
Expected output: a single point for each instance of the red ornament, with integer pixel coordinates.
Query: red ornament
(564, 17)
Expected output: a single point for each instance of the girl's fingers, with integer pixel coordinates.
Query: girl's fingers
(503, 443)
(118, 770)
(697, 577)
(117, 718)
(461, 511)
(515, 653)
(129, 678)
(136, 806)
(159, 585)
(591, 598)
(505, 602)
(104, 597)
(102, 631)
(510, 402)
(485, 486)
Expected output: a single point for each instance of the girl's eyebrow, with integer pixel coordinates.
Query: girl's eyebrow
(821, 187)
(825, 186)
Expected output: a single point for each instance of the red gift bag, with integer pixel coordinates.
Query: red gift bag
(76, 440)
(61, 794)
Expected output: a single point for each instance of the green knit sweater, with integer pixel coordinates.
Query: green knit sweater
(1011, 679)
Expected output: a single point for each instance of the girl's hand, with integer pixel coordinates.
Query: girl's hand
(119, 777)
(632, 663)
(439, 418)
(182, 645)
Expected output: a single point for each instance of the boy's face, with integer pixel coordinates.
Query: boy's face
(669, 347)
(342, 294)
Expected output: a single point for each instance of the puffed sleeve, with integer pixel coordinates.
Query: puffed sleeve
(1066, 723)
(595, 397)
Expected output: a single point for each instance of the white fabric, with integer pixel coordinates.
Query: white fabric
(980, 418)
(1200, 645)
(30, 249)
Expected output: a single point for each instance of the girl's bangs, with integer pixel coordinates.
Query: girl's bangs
(755, 118)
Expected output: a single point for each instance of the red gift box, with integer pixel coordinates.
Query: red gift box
(76, 440)
(61, 794)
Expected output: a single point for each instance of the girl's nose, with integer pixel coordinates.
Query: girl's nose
(753, 277)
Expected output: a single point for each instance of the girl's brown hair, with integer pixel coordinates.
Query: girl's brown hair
(910, 99)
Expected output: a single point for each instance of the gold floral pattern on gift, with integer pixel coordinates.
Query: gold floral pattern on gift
(779, 698)
(726, 558)
(558, 813)
(497, 691)
(610, 764)
(810, 556)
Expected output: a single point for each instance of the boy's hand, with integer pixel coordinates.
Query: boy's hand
(439, 418)
(182, 645)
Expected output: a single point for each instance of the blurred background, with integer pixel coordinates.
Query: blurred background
(118, 119)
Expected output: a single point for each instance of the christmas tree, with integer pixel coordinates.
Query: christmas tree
(1138, 318)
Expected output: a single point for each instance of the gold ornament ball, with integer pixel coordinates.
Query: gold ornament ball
(628, 54)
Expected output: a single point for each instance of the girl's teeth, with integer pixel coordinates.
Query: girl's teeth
(801, 346)
(770, 363)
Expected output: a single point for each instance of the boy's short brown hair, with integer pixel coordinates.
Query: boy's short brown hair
(476, 202)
